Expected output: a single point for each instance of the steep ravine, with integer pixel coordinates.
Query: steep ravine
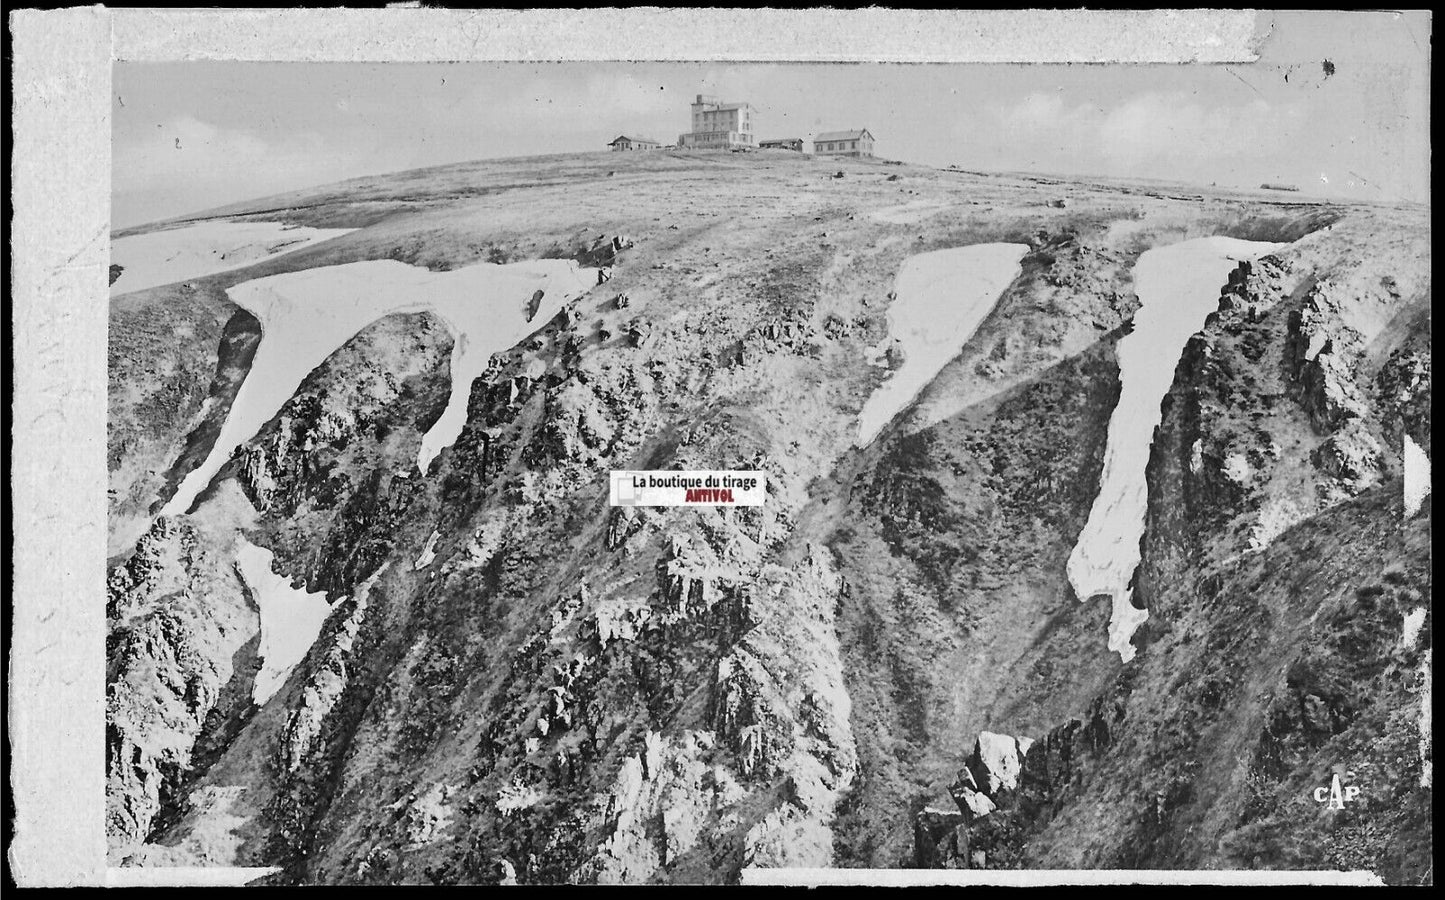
(956, 538)
(1279, 578)
(185, 635)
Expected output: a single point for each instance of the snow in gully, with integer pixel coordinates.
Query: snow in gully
(1178, 287)
(940, 299)
(306, 316)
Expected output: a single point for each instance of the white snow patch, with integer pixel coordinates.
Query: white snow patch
(427, 553)
(942, 297)
(1414, 622)
(291, 619)
(194, 251)
(306, 316)
(1417, 477)
(1178, 287)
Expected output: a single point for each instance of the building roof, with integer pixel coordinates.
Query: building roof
(636, 140)
(842, 135)
(718, 105)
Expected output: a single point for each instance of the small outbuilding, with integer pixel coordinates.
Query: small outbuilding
(623, 142)
(795, 144)
(844, 143)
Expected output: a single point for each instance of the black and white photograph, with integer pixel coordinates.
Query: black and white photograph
(755, 471)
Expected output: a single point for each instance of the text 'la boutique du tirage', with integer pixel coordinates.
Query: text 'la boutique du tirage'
(704, 488)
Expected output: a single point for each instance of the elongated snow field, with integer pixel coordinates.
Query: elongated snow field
(1178, 287)
(941, 298)
(291, 619)
(176, 254)
(306, 316)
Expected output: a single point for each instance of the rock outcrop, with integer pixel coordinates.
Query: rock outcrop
(1007, 791)
(181, 658)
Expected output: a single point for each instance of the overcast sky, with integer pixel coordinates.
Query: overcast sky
(191, 136)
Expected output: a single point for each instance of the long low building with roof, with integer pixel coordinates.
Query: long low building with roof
(782, 144)
(844, 143)
(623, 142)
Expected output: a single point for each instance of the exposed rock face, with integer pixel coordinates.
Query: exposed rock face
(181, 658)
(178, 355)
(184, 630)
(1318, 346)
(956, 555)
(328, 471)
(1324, 707)
(940, 839)
(1403, 389)
(674, 799)
(1007, 790)
(313, 738)
(1274, 542)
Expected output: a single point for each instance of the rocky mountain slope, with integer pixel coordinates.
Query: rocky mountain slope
(885, 664)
